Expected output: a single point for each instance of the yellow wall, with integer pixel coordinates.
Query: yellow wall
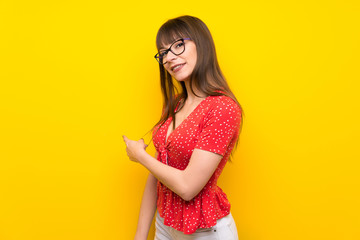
(77, 75)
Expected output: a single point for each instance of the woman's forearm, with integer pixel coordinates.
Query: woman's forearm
(186, 183)
(173, 178)
(147, 208)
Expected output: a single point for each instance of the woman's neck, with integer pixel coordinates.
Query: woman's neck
(191, 97)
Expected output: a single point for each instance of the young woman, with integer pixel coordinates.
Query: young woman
(197, 131)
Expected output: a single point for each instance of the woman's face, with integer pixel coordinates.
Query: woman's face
(181, 66)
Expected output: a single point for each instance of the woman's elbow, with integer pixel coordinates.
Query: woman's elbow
(188, 189)
(188, 194)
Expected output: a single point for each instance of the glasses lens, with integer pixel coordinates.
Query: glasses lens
(161, 56)
(178, 47)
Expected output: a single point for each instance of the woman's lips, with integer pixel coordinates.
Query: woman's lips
(178, 67)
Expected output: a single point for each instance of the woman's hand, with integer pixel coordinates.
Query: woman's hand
(134, 149)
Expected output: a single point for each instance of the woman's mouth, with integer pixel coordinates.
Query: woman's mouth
(178, 67)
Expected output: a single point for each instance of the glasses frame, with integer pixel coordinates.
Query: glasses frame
(157, 56)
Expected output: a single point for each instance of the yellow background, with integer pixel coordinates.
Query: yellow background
(77, 75)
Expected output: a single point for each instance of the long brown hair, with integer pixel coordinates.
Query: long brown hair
(206, 76)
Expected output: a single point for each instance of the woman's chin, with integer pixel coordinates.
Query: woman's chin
(182, 79)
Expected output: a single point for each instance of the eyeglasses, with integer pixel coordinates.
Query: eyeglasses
(177, 48)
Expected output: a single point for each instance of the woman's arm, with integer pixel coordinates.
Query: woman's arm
(220, 128)
(185, 183)
(147, 208)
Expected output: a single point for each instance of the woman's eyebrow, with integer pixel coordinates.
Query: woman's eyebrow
(163, 48)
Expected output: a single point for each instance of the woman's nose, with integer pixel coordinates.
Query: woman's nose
(170, 56)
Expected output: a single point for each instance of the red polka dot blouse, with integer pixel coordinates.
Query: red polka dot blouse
(212, 126)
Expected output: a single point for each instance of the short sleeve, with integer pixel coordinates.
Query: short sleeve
(221, 126)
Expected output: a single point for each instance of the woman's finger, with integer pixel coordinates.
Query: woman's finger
(126, 140)
(143, 142)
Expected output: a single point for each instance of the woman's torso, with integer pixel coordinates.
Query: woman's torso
(213, 126)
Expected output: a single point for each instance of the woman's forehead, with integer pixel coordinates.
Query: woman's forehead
(165, 40)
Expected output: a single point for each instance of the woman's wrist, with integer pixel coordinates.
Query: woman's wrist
(141, 155)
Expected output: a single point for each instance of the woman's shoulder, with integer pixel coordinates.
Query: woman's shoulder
(222, 112)
(223, 101)
(223, 108)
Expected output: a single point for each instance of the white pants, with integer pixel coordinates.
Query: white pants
(225, 229)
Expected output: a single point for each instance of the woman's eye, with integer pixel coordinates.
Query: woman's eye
(179, 45)
(162, 54)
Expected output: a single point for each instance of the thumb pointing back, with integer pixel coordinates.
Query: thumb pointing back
(125, 139)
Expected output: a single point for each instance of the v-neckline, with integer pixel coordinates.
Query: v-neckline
(167, 136)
